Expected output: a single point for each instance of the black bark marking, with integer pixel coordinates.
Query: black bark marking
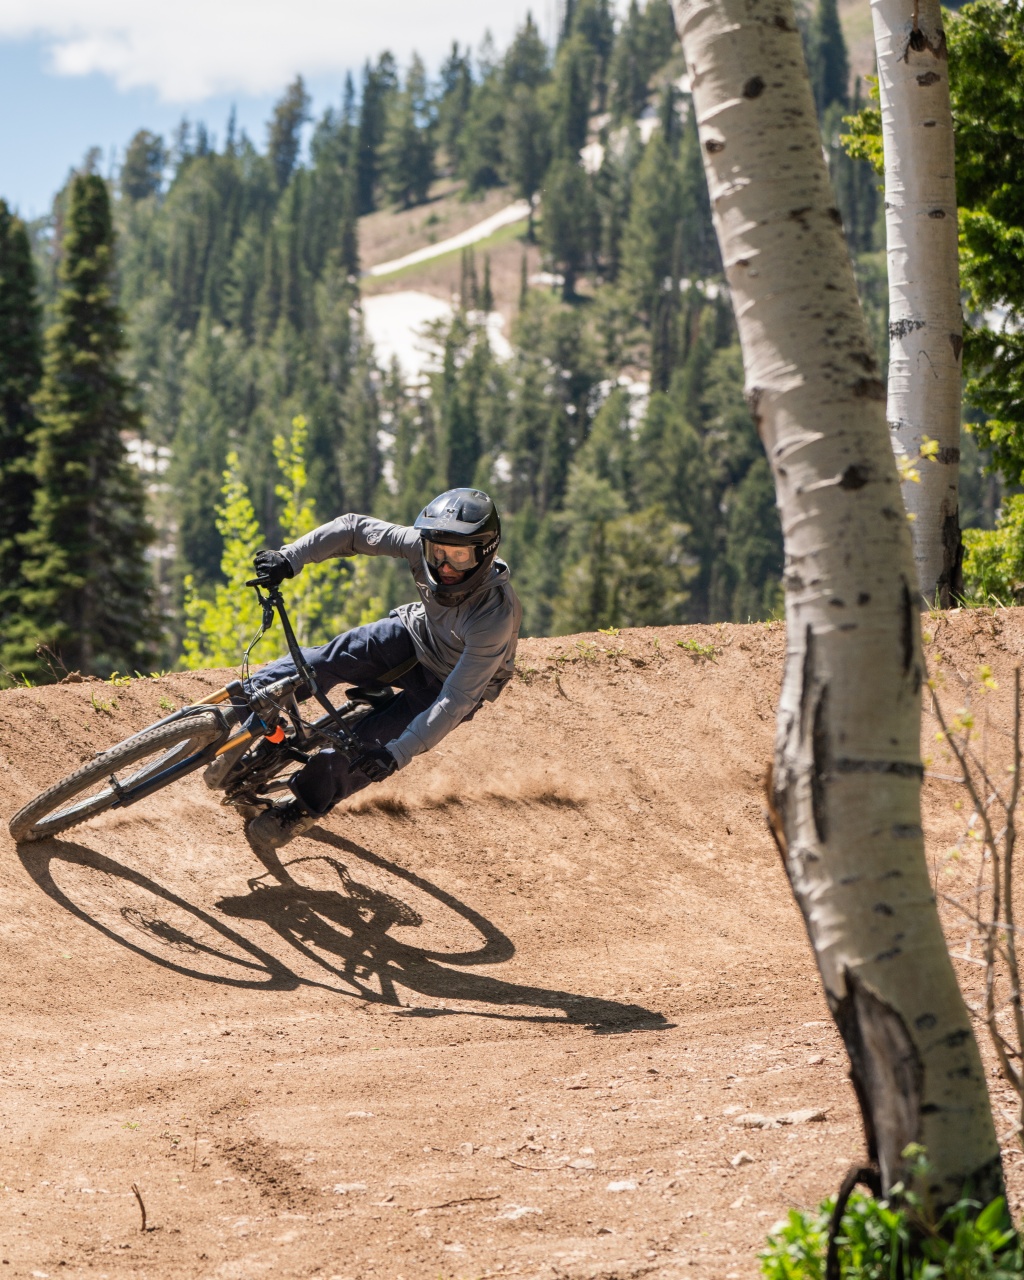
(929, 77)
(950, 585)
(929, 124)
(957, 343)
(754, 87)
(820, 771)
(869, 389)
(806, 678)
(836, 603)
(713, 146)
(948, 455)
(907, 621)
(899, 768)
(882, 909)
(906, 830)
(925, 1022)
(900, 328)
(800, 215)
(864, 597)
(918, 41)
(835, 215)
(856, 476)
(886, 1072)
(956, 1038)
(936, 213)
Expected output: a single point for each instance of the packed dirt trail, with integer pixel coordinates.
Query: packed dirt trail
(503, 1016)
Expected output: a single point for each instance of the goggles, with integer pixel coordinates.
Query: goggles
(462, 558)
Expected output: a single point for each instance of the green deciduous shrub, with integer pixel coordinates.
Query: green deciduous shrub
(882, 1240)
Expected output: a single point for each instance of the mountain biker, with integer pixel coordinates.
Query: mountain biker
(447, 652)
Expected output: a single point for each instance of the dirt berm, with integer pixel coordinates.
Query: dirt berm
(504, 1018)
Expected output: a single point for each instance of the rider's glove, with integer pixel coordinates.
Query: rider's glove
(376, 763)
(273, 566)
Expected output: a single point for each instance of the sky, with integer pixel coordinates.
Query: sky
(76, 74)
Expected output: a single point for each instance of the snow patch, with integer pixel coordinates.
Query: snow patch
(399, 324)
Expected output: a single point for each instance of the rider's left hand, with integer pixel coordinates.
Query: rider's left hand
(273, 566)
(376, 763)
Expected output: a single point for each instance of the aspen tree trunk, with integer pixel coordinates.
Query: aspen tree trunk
(846, 782)
(925, 320)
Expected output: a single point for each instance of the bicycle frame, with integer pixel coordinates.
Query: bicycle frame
(247, 705)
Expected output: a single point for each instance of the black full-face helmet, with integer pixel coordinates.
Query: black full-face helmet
(460, 528)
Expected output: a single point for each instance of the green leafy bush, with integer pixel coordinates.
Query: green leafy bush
(994, 558)
(880, 1241)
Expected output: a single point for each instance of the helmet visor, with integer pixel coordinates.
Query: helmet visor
(461, 558)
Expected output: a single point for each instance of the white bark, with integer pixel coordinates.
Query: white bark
(925, 320)
(847, 773)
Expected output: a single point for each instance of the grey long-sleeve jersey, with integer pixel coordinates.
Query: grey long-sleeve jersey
(470, 646)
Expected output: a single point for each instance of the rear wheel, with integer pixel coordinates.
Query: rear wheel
(91, 789)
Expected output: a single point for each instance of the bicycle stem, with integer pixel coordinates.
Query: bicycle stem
(275, 600)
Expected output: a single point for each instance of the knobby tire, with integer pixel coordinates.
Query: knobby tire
(44, 815)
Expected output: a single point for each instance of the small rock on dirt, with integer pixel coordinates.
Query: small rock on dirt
(627, 1184)
(754, 1119)
(740, 1158)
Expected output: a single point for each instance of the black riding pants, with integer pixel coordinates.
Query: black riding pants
(358, 657)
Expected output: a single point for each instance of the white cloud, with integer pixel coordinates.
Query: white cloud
(190, 50)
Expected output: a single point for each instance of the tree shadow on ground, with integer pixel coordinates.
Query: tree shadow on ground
(344, 931)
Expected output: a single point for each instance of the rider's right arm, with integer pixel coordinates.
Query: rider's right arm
(352, 535)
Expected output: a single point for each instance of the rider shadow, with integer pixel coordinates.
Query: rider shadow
(344, 931)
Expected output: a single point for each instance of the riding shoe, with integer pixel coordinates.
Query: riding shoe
(278, 825)
(215, 774)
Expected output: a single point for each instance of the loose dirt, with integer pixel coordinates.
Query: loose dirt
(501, 1019)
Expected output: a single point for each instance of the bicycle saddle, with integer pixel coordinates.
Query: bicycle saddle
(375, 694)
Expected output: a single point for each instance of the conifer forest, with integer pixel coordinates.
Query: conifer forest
(185, 341)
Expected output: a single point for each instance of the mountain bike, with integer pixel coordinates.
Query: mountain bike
(249, 739)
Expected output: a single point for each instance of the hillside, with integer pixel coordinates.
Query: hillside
(502, 1020)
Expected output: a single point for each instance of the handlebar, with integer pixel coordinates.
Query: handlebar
(271, 601)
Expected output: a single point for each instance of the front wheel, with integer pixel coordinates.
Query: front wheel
(92, 787)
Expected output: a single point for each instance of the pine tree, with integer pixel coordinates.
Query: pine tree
(650, 233)
(285, 130)
(573, 90)
(481, 161)
(829, 63)
(453, 104)
(379, 83)
(486, 291)
(526, 62)
(527, 146)
(88, 592)
(20, 371)
(143, 168)
(567, 232)
(407, 159)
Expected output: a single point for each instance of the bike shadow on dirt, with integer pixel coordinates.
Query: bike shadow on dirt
(205, 937)
(346, 931)
(343, 931)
